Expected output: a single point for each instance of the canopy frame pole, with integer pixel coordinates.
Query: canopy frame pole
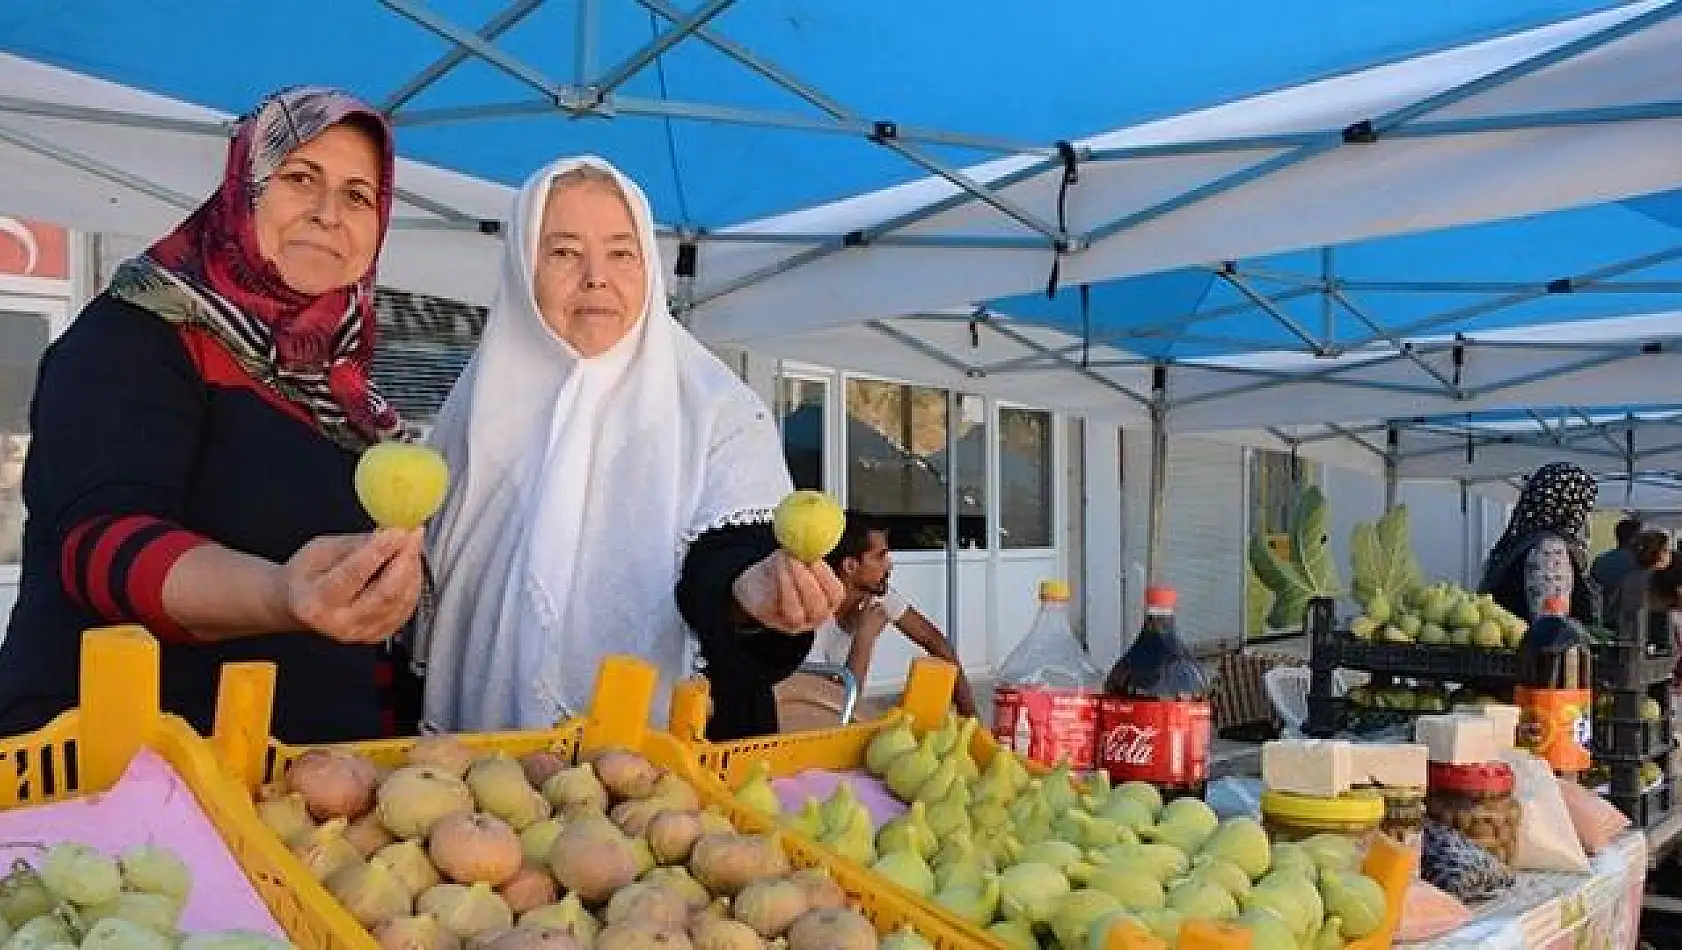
(1159, 474)
(584, 42)
(96, 168)
(639, 59)
(1402, 346)
(1373, 130)
(885, 133)
(504, 21)
(953, 600)
(1392, 453)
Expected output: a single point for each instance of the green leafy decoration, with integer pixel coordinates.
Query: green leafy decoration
(1308, 572)
(1381, 558)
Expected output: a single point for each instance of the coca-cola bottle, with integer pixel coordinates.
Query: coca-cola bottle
(1153, 722)
(1045, 706)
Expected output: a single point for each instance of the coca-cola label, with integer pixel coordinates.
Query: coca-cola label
(1155, 741)
(1047, 725)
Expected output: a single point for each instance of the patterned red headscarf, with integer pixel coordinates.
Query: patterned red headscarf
(314, 351)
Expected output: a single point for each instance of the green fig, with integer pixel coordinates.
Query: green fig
(1229, 876)
(838, 809)
(1200, 899)
(909, 832)
(1127, 811)
(893, 741)
(855, 841)
(1058, 786)
(939, 782)
(908, 771)
(1135, 888)
(1058, 854)
(809, 819)
(967, 769)
(1077, 913)
(757, 793)
(908, 870)
(1243, 842)
(995, 786)
(1162, 861)
(951, 812)
(1031, 891)
(977, 904)
(1355, 899)
(1141, 792)
(1268, 931)
(945, 737)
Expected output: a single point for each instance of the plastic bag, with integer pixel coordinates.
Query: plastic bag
(1235, 797)
(1428, 913)
(1547, 841)
(1597, 820)
(1449, 860)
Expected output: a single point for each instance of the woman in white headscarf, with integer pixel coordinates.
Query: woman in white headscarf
(612, 492)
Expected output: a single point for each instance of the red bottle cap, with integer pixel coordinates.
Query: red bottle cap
(1160, 597)
(1492, 778)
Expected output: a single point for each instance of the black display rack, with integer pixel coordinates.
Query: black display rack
(1630, 668)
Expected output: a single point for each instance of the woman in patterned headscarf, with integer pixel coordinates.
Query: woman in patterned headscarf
(195, 432)
(1545, 550)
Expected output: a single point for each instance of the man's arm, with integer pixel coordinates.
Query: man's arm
(920, 631)
(865, 627)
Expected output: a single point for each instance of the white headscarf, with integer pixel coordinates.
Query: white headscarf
(577, 485)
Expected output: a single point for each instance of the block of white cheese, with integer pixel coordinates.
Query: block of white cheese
(1459, 738)
(1390, 764)
(1309, 767)
(1505, 718)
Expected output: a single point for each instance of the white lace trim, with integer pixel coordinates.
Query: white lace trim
(735, 519)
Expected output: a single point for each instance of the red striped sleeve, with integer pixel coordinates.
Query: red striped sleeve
(115, 567)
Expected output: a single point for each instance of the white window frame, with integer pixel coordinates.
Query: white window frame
(47, 298)
(1059, 484)
(830, 440)
(988, 475)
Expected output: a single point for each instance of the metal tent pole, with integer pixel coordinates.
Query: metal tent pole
(1159, 474)
(953, 408)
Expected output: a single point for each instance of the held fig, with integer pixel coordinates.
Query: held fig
(808, 525)
(401, 484)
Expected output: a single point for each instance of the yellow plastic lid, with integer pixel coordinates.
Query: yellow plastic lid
(1054, 590)
(1354, 808)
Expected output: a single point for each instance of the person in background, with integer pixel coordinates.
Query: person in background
(196, 431)
(863, 562)
(1644, 593)
(1610, 567)
(612, 492)
(1544, 551)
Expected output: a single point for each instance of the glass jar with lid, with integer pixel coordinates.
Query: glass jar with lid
(1477, 801)
(1292, 817)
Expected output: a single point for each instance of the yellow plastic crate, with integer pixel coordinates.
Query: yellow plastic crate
(244, 706)
(928, 692)
(86, 750)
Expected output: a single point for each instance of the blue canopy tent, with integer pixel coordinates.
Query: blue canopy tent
(883, 188)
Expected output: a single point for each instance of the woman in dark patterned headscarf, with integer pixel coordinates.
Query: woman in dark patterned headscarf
(194, 435)
(1545, 550)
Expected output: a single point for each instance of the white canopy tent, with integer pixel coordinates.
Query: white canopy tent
(1574, 114)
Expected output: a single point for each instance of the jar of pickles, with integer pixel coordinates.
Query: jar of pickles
(1477, 801)
(1404, 813)
(1292, 817)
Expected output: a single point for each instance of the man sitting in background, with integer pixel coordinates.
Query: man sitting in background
(1610, 568)
(863, 563)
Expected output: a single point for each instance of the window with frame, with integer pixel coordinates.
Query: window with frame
(802, 414)
(897, 465)
(23, 340)
(1026, 478)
